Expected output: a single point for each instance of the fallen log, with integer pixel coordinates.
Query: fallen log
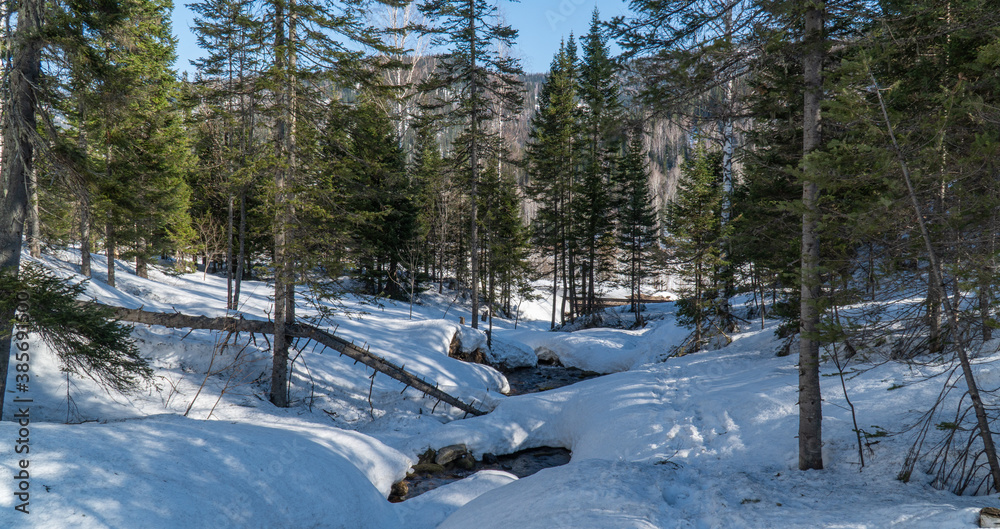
(177, 320)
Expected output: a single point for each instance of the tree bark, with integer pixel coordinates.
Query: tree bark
(810, 405)
(110, 250)
(18, 132)
(85, 232)
(34, 221)
(474, 166)
(229, 253)
(141, 264)
(242, 256)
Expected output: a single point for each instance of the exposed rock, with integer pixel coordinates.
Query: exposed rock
(462, 351)
(989, 517)
(451, 453)
(427, 468)
(399, 491)
(547, 357)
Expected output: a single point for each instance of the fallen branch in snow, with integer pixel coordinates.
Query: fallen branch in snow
(299, 330)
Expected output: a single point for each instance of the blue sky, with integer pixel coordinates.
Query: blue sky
(541, 23)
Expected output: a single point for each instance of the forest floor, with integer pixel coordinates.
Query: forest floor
(700, 441)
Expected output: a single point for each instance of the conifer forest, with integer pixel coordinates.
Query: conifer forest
(570, 264)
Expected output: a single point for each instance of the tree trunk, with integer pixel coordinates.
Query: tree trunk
(34, 221)
(110, 250)
(284, 282)
(229, 253)
(299, 330)
(240, 260)
(474, 166)
(18, 132)
(141, 263)
(85, 231)
(810, 410)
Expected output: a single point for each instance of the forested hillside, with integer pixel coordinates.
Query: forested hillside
(819, 179)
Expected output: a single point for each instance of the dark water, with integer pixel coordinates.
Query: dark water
(544, 378)
(521, 464)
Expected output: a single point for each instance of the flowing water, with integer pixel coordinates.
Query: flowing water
(521, 464)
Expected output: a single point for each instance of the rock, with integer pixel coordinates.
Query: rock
(466, 462)
(547, 357)
(399, 491)
(989, 517)
(427, 457)
(427, 468)
(490, 459)
(468, 346)
(451, 453)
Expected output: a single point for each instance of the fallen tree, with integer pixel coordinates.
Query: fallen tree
(300, 330)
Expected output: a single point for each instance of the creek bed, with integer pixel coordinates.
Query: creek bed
(521, 464)
(544, 377)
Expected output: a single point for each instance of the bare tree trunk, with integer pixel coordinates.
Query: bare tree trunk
(810, 405)
(141, 264)
(284, 284)
(348, 349)
(555, 283)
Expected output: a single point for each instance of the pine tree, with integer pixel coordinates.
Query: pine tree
(483, 84)
(636, 220)
(316, 44)
(600, 129)
(553, 156)
(694, 225)
(228, 75)
(146, 154)
(381, 198)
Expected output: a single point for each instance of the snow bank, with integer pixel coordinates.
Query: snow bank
(606, 350)
(428, 510)
(168, 472)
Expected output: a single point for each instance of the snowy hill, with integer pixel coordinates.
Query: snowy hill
(701, 441)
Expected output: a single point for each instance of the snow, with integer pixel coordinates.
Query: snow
(700, 441)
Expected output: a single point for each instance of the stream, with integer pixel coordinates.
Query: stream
(428, 477)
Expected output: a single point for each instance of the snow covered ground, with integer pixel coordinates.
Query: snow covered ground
(702, 441)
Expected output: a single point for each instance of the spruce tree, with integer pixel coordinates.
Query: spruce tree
(553, 155)
(382, 201)
(694, 227)
(636, 220)
(483, 85)
(600, 129)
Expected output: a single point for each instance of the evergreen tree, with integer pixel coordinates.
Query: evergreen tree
(482, 84)
(694, 225)
(553, 155)
(436, 199)
(505, 241)
(636, 220)
(234, 41)
(600, 128)
(145, 195)
(381, 198)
